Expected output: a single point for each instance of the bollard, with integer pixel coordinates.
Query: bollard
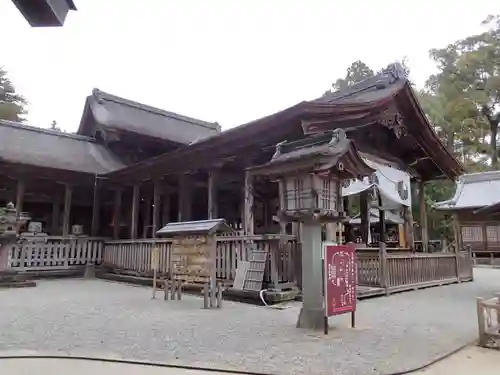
(165, 287)
(219, 295)
(205, 296)
(179, 290)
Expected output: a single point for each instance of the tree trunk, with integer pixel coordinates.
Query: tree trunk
(493, 143)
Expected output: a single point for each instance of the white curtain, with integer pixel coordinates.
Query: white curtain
(389, 180)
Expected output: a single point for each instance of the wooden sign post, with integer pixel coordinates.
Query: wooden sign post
(340, 277)
(155, 262)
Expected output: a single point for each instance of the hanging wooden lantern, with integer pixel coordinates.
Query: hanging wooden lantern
(310, 174)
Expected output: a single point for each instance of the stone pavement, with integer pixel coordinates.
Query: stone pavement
(101, 318)
(470, 360)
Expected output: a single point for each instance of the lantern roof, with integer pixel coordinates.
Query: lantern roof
(321, 153)
(207, 227)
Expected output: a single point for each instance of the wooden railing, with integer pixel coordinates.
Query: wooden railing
(397, 271)
(392, 271)
(134, 256)
(56, 253)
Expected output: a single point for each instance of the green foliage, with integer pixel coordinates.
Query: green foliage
(11, 103)
(467, 89)
(462, 103)
(357, 72)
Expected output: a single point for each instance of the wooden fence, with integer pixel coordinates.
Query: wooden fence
(399, 271)
(134, 256)
(390, 271)
(56, 253)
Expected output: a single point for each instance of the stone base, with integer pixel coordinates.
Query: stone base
(13, 279)
(89, 272)
(311, 318)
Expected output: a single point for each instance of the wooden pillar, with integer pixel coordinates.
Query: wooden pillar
(117, 210)
(423, 217)
(248, 203)
(135, 211)
(156, 208)
(185, 198)
(408, 227)
(457, 231)
(146, 223)
(346, 227)
(55, 229)
(364, 216)
(68, 191)
(165, 213)
(96, 206)
(381, 220)
(383, 248)
(20, 197)
(212, 194)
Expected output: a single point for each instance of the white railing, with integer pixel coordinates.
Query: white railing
(56, 253)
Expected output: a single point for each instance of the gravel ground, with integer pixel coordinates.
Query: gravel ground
(108, 319)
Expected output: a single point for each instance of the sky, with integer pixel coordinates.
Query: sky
(230, 61)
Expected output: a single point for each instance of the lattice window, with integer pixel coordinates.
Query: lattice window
(309, 192)
(327, 194)
(492, 233)
(298, 193)
(472, 234)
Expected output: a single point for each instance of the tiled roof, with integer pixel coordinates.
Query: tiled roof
(114, 112)
(474, 190)
(28, 145)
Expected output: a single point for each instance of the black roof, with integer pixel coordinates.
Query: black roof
(44, 13)
(113, 112)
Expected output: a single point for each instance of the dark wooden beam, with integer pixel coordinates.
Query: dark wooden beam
(96, 203)
(67, 210)
(212, 194)
(135, 212)
(423, 217)
(117, 210)
(20, 197)
(156, 207)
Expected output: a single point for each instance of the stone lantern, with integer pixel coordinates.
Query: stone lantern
(10, 224)
(310, 173)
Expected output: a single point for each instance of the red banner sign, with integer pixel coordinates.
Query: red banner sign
(340, 279)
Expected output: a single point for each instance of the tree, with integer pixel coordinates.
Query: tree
(53, 126)
(357, 72)
(469, 79)
(11, 103)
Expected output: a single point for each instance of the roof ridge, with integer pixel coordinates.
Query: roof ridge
(37, 129)
(101, 95)
(386, 77)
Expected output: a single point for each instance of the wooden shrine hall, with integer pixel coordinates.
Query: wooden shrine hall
(132, 168)
(475, 210)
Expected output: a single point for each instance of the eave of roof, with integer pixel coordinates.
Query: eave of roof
(29, 145)
(329, 107)
(473, 191)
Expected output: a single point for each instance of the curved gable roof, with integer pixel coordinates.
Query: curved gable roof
(360, 105)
